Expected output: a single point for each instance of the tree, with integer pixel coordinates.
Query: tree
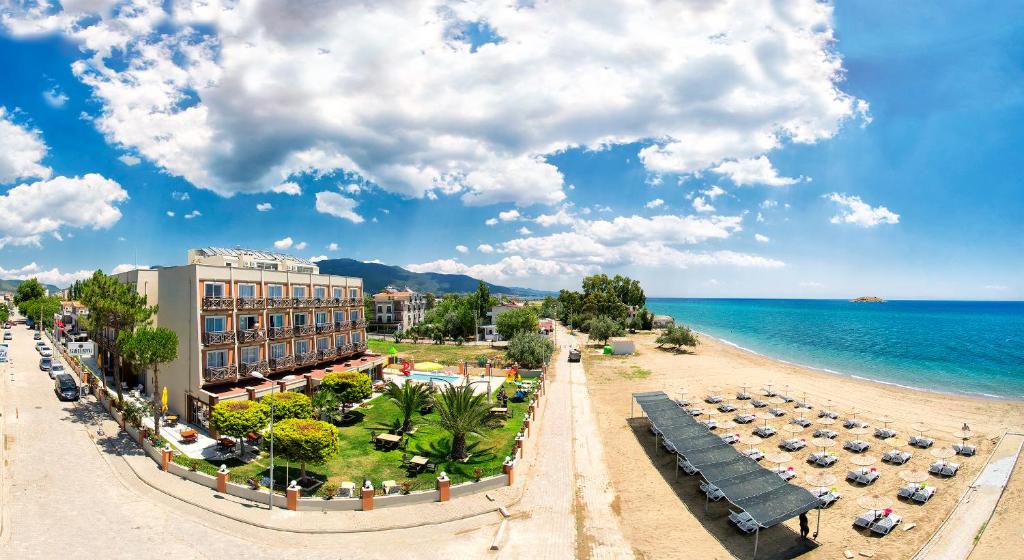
(645, 318)
(28, 290)
(550, 308)
(483, 299)
(5, 313)
(40, 309)
(150, 347)
(409, 397)
(678, 336)
(239, 419)
(288, 404)
(529, 349)
(602, 328)
(326, 404)
(305, 441)
(430, 299)
(461, 412)
(523, 319)
(348, 386)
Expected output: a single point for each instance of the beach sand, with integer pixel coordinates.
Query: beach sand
(664, 517)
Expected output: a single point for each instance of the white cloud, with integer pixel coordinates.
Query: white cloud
(856, 211)
(714, 192)
(485, 248)
(182, 196)
(193, 214)
(332, 247)
(170, 213)
(128, 268)
(43, 207)
(508, 268)
(264, 207)
(374, 261)
(559, 218)
(21, 151)
(491, 221)
(654, 203)
(52, 276)
(282, 244)
(332, 203)
(292, 189)
(524, 231)
(761, 238)
(352, 188)
(701, 205)
(54, 97)
(760, 218)
(768, 204)
(755, 171)
(129, 160)
(318, 258)
(399, 96)
(300, 246)
(997, 287)
(462, 249)
(509, 215)
(653, 180)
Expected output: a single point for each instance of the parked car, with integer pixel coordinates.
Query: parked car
(8, 335)
(575, 355)
(45, 363)
(65, 387)
(56, 368)
(40, 345)
(46, 352)
(37, 336)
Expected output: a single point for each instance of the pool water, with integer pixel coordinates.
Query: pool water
(435, 377)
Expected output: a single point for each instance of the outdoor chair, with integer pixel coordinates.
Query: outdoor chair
(776, 412)
(682, 403)
(785, 473)
(856, 445)
(802, 422)
(921, 441)
(866, 519)
(730, 438)
(743, 521)
(822, 458)
(923, 493)
(687, 467)
(825, 433)
(390, 487)
(884, 433)
(965, 450)
(793, 444)
(886, 524)
(726, 407)
(714, 494)
(754, 454)
(668, 445)
(713, 399)
(827, 496)
(765, 431)
(786, 398)
(907, 491)
(944, 468)
(896, 457)
(693, 411)
(744, 418)
(828, 414)
(849, 423)
(863, 476)
(743, 396)
(711, 424)
(432, 467)
(758, 403)
(190, 438)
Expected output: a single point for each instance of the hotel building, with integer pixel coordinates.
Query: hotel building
(398, 310)
(241, 312)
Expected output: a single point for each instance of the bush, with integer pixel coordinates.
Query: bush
(329, 490)
(515, 321)
(529, 349)
(289, 404)
(678, 337)
(348, 386)
(306, 441)
(603, 328)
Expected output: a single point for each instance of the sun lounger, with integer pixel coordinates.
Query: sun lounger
(896, 457)
(754, 454)
(693, 411)
(668, 445)
(923, 493)
(776, 412)
(803, 422)
(744, 418)
(884, 433)
(921, 441)
(730, 438)
(907, 491)
(828, 414)
(655, 430)
(944, 468)
(764, 431)
(965, 450)
(856, 445)
(711, 424)
(850, 423)
(726, 407)
(793, 444)
(805, 405)
(863, 476)
(758, 403)
(826, 496)
(743, 396)
(886, 524)
(682, 403)
(687, 466)
(822, 458)
(866, 519)
(714, 494)
(740, 518)
(786, 473)
(786, 398)
(712, 399)
(769, 392)
(825, 433)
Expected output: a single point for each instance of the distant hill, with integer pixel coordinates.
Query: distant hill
(11, 285)
(377, 276)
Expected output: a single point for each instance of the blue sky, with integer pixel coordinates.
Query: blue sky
(758, 159)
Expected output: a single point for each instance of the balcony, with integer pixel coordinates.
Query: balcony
(248, 369)
(278, 303)
(302, 302)
(305, 359)
(252, 335)
(354, 301)
(322, 355)
(324, 328)
(218, 303)
(343, 325)
(284, 362)
(321, 302)
(345, 350)
(276, 333)
(219, 337)
(250, 303)
(219, 374)
(361, 347)
(360, 324)
(337, 302)
(304, 330)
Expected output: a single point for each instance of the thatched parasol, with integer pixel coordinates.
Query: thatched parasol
(875, 502)
(914, 475)
(822, 442)
(826, 421)
(793, 428)
(859, 431)
(820, 479)
(943, 452)
(778, 458)
(920, 427)
(863, 460)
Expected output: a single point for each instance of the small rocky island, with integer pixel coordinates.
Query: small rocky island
(868, 299)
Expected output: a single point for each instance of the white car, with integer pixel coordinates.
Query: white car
(55, 368)
(40, 345)
(46, 352)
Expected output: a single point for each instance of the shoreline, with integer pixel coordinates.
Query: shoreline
(958, 394)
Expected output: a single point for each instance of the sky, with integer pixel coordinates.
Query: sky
(729, 149)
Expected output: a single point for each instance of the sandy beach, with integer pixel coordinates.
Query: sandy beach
(664, 517)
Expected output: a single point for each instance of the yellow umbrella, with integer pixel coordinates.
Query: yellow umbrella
(163, 401)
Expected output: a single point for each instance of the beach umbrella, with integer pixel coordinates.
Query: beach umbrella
(914, 475)
(964, 434)
(715, 389)
(766, 416)
(854, 412)
(778, 458)
(728, 425)
(920, 428)
(859, 431)
(793, 428)
(777, 400)
(886, 420)
(863, 460)
(875, 502)
(750, 441)
(682, 393)
(826, 421)
(163, 400)
(820, 479)
(768, 388)
(943, 453)
(822, 442)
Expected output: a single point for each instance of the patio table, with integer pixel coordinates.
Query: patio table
(499, 411)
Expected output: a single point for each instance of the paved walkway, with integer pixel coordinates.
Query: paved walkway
(955, 538)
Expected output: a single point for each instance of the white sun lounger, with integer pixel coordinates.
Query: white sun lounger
(803, 422)
(924, 494)
(668, 445)
(730, 438)
(786, 398)
(693, 411)
(743, 396)
(907, 491)
(785, 473)
(769, 392)
(896, 457)
(743, 521)
(776, 412)
(744, 418)
(758, 403)
(793, 444)
(944, 468)
(921, 441)
(856, 445)
(827, 496)
(655, 430)
(822, 458)
(683, 403)
(828, 414)
(825, 433)
(851, 423)
(714, 494)
(805, 405)
(711, 424)
(712, 399)
(862, 476)
(754, 454)
(764, 431)
(965, 450)
(726, 407)
(687, 467)
(884, 433)
(886, 524)
(866, 519)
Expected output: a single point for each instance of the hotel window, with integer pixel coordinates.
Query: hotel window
(278, 350)
(353, 315)
(214, 289)
(340, 340)
(277, 320)
(247, 322)
(321, 318)
(301, 347)
(218, 358)
(339, 316)
(322, 343)
(250, 354)
(355, 338)
(299, 319)
(304, 269)
(266, 266)
(247, 290)
(380, 309)
(320, 292)
(353, 293)
(338, 293)
(298, 291)
(215, 324)
(275, 291)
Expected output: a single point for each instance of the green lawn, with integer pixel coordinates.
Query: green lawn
(448, 354)
(359, 459)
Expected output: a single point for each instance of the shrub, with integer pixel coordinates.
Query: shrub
(678, 336)
(529, 349)
(602, 328)
(306, 441)
(349, 386)
(289, 404)
(329, 490)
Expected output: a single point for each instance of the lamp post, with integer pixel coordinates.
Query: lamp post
(258, 375)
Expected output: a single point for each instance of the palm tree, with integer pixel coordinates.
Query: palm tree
(326, 404)
(409, 397)
(460, 412)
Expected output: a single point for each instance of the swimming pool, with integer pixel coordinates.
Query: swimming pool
(435, 377)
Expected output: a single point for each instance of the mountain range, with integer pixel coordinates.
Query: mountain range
(377, 276)
(11, 285)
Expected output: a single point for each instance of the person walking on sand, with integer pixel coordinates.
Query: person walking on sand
(805, 526)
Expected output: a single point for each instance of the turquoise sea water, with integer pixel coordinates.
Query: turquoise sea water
(949, 346)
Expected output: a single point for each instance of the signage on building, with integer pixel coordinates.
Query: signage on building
(81, 349)
(3, 353)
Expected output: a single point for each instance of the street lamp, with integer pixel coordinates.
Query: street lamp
(259, 375)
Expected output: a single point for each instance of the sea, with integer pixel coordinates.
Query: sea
(964, 347)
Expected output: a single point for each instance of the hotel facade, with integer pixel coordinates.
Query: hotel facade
(242, 314)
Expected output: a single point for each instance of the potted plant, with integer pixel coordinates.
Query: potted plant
(329, 490)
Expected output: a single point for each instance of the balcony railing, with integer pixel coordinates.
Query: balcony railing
(252, 335)
(278, 302)
(326, 354)
(217, 374)
(353, 301)
(305, 359)
(342, 325)
(321, 302)
(359, 324)
(324, 328)
(302, 302)
(283, 362)
(274, 333)
(250, 303)
(361, 347)
(345, 350)
(219, 337)
(218, 303)
(337, 302)
(303, 330)
(248, 369)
